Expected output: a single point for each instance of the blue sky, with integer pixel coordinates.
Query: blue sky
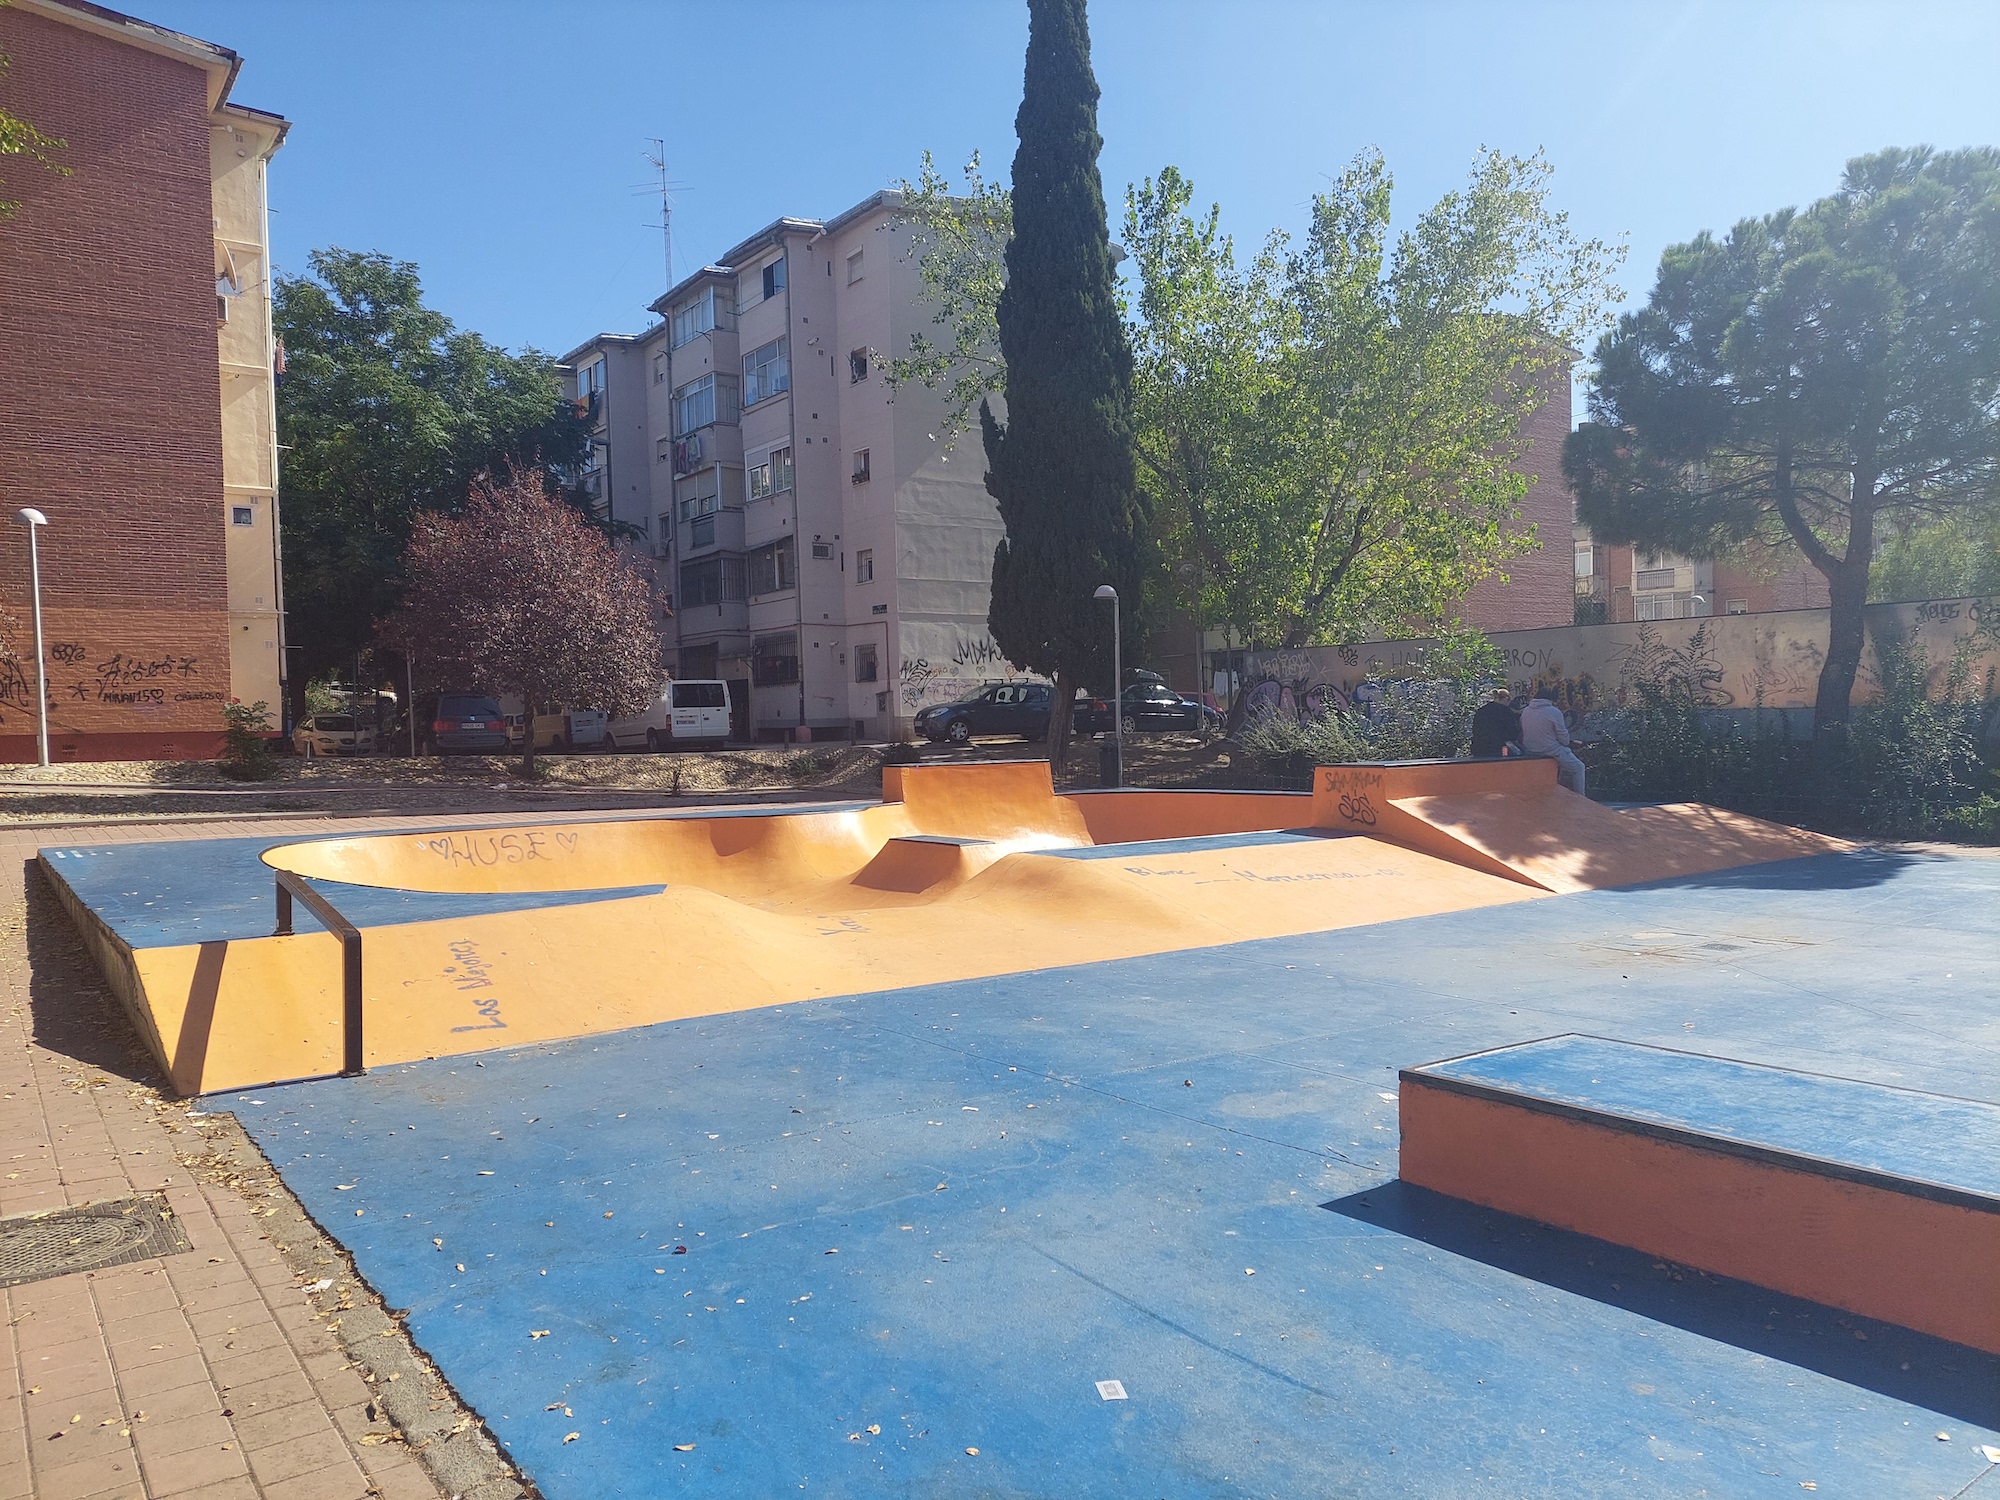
(499, 144)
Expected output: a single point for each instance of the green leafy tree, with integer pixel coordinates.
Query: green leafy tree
(1819, 376)
(19, 138)
(1061, 467)
(518, 593)
(387, 412)
(959, 244)
(1953, 558)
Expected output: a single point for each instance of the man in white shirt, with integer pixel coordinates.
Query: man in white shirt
(1545, 733)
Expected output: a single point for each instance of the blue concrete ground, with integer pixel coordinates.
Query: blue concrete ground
(930, 1221)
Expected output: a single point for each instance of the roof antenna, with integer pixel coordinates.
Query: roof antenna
(657, 157)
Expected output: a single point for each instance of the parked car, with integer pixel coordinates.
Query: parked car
(1145, 705)
(1009, 708)
(573, 729)
(466, 724)
(684, 716)
(333, 734)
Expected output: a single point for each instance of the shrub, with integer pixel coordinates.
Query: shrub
(801, 764)
(904, 754)
(246, 754)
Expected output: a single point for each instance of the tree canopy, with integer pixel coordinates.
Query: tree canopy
(388, 411)
(518, 593)
(1060, 468)
(1331, 434)
(1818, 376)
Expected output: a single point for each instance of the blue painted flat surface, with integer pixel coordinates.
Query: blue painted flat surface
(1901, 1133)
(945, 1213)
(1191, 845)
(212, 890)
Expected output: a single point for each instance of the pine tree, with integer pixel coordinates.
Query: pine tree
(1061, 467)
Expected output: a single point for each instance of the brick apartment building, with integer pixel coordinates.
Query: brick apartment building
(815, 544)
(137, 404)
(1617, 584)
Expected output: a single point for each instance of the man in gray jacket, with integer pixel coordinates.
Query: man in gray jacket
(1544, 732)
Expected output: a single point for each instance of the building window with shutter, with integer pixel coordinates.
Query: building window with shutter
(864, 565)
(864, 662)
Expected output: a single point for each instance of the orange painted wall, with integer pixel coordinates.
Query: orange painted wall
(1912, 1261)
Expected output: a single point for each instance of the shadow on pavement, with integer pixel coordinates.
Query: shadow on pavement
(1933, 1373)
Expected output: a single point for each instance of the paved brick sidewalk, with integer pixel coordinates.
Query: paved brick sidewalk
(213, 1373)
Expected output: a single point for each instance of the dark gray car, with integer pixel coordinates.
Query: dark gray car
(467, 724)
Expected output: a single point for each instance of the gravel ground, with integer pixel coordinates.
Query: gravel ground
(99, 791)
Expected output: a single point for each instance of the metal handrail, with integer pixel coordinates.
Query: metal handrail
(290, 885)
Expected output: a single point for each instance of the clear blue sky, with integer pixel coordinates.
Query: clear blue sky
(499, 144)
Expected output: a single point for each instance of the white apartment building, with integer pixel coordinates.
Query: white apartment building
(815, 545)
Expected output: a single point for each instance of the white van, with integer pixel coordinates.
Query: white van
(686, 715)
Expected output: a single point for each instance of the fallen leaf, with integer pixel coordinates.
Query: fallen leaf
(570, 1437)
(439, 1243)
(538, 1333)
(553, 1406)
(683, 1447)
(484, 1174)
(377, 1437)
(607, 1215)
(973, 1451)
(874, 1429)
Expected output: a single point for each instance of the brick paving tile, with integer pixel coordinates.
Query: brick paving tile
(198, 1400)
(302, 1455)
(169, 1375)
(341, 1483)
(91, 1477)
(16, 1481)
(194, 1469)
(240, 1488)
(89, 1438)
(269, 1395)
(302, 1420)
(163, 1439)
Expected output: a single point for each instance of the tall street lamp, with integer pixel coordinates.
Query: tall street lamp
(32, 518)
(1106, 591)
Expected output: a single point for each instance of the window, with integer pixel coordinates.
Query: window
(767, 371)
(693, 319)
(703, 402)
(1662, 607)
(242, 515)
(774, 660)
(590, 381)
(711, 580)
(660, 368)
(864, 565)
(1739, 606)
(1583, 562)
(773, 476)
(702, 532)
(700, 497)
(774, 567)
(699, 695)
(854, 268)
(857, 366)
(860, 465)
(774, 277)
(880, 609)
(823, 551)
(864, 662)
(665, 449)
(1655, 578)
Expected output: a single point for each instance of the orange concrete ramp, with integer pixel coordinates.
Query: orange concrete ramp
(1511, 818)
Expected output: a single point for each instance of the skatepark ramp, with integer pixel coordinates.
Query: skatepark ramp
(518, 932)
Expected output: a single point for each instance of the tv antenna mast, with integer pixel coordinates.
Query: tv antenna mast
(657, 158)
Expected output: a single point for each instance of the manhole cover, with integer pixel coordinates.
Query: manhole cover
(83, 1239)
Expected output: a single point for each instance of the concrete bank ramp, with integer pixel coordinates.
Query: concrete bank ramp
(1511, 818)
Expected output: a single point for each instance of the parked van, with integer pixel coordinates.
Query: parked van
(573, 729)
(686, 715)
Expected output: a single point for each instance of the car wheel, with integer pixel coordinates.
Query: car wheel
(1131, 724)
(653, 741)
(607, 745)
(562, 745)
(958, 732)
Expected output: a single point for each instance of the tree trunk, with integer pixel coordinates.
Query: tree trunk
(1059, 718)
(1848, 587)
(528, 738)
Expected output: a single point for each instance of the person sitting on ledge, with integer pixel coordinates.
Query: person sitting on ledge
(1496, 728)
(1545, 734)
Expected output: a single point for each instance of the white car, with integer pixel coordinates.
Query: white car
(685, 715)
(333, 734)
(572, 729)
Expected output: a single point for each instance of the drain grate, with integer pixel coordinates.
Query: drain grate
(86, 1238)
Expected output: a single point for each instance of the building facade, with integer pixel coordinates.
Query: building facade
(137, 407)
(1619, 585)
(813, 541)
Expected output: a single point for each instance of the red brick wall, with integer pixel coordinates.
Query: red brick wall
(110, 415)
(1540, 588)
(1786, 582)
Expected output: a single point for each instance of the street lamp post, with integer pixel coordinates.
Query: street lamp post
(32, 518)
(1106, 591)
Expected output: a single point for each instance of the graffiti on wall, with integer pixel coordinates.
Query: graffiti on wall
(93, 688)
(974, 662)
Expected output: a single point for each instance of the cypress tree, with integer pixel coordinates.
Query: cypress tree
(1061, 467)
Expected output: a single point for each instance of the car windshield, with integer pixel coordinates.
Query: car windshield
(338, 722)
(465, 706)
